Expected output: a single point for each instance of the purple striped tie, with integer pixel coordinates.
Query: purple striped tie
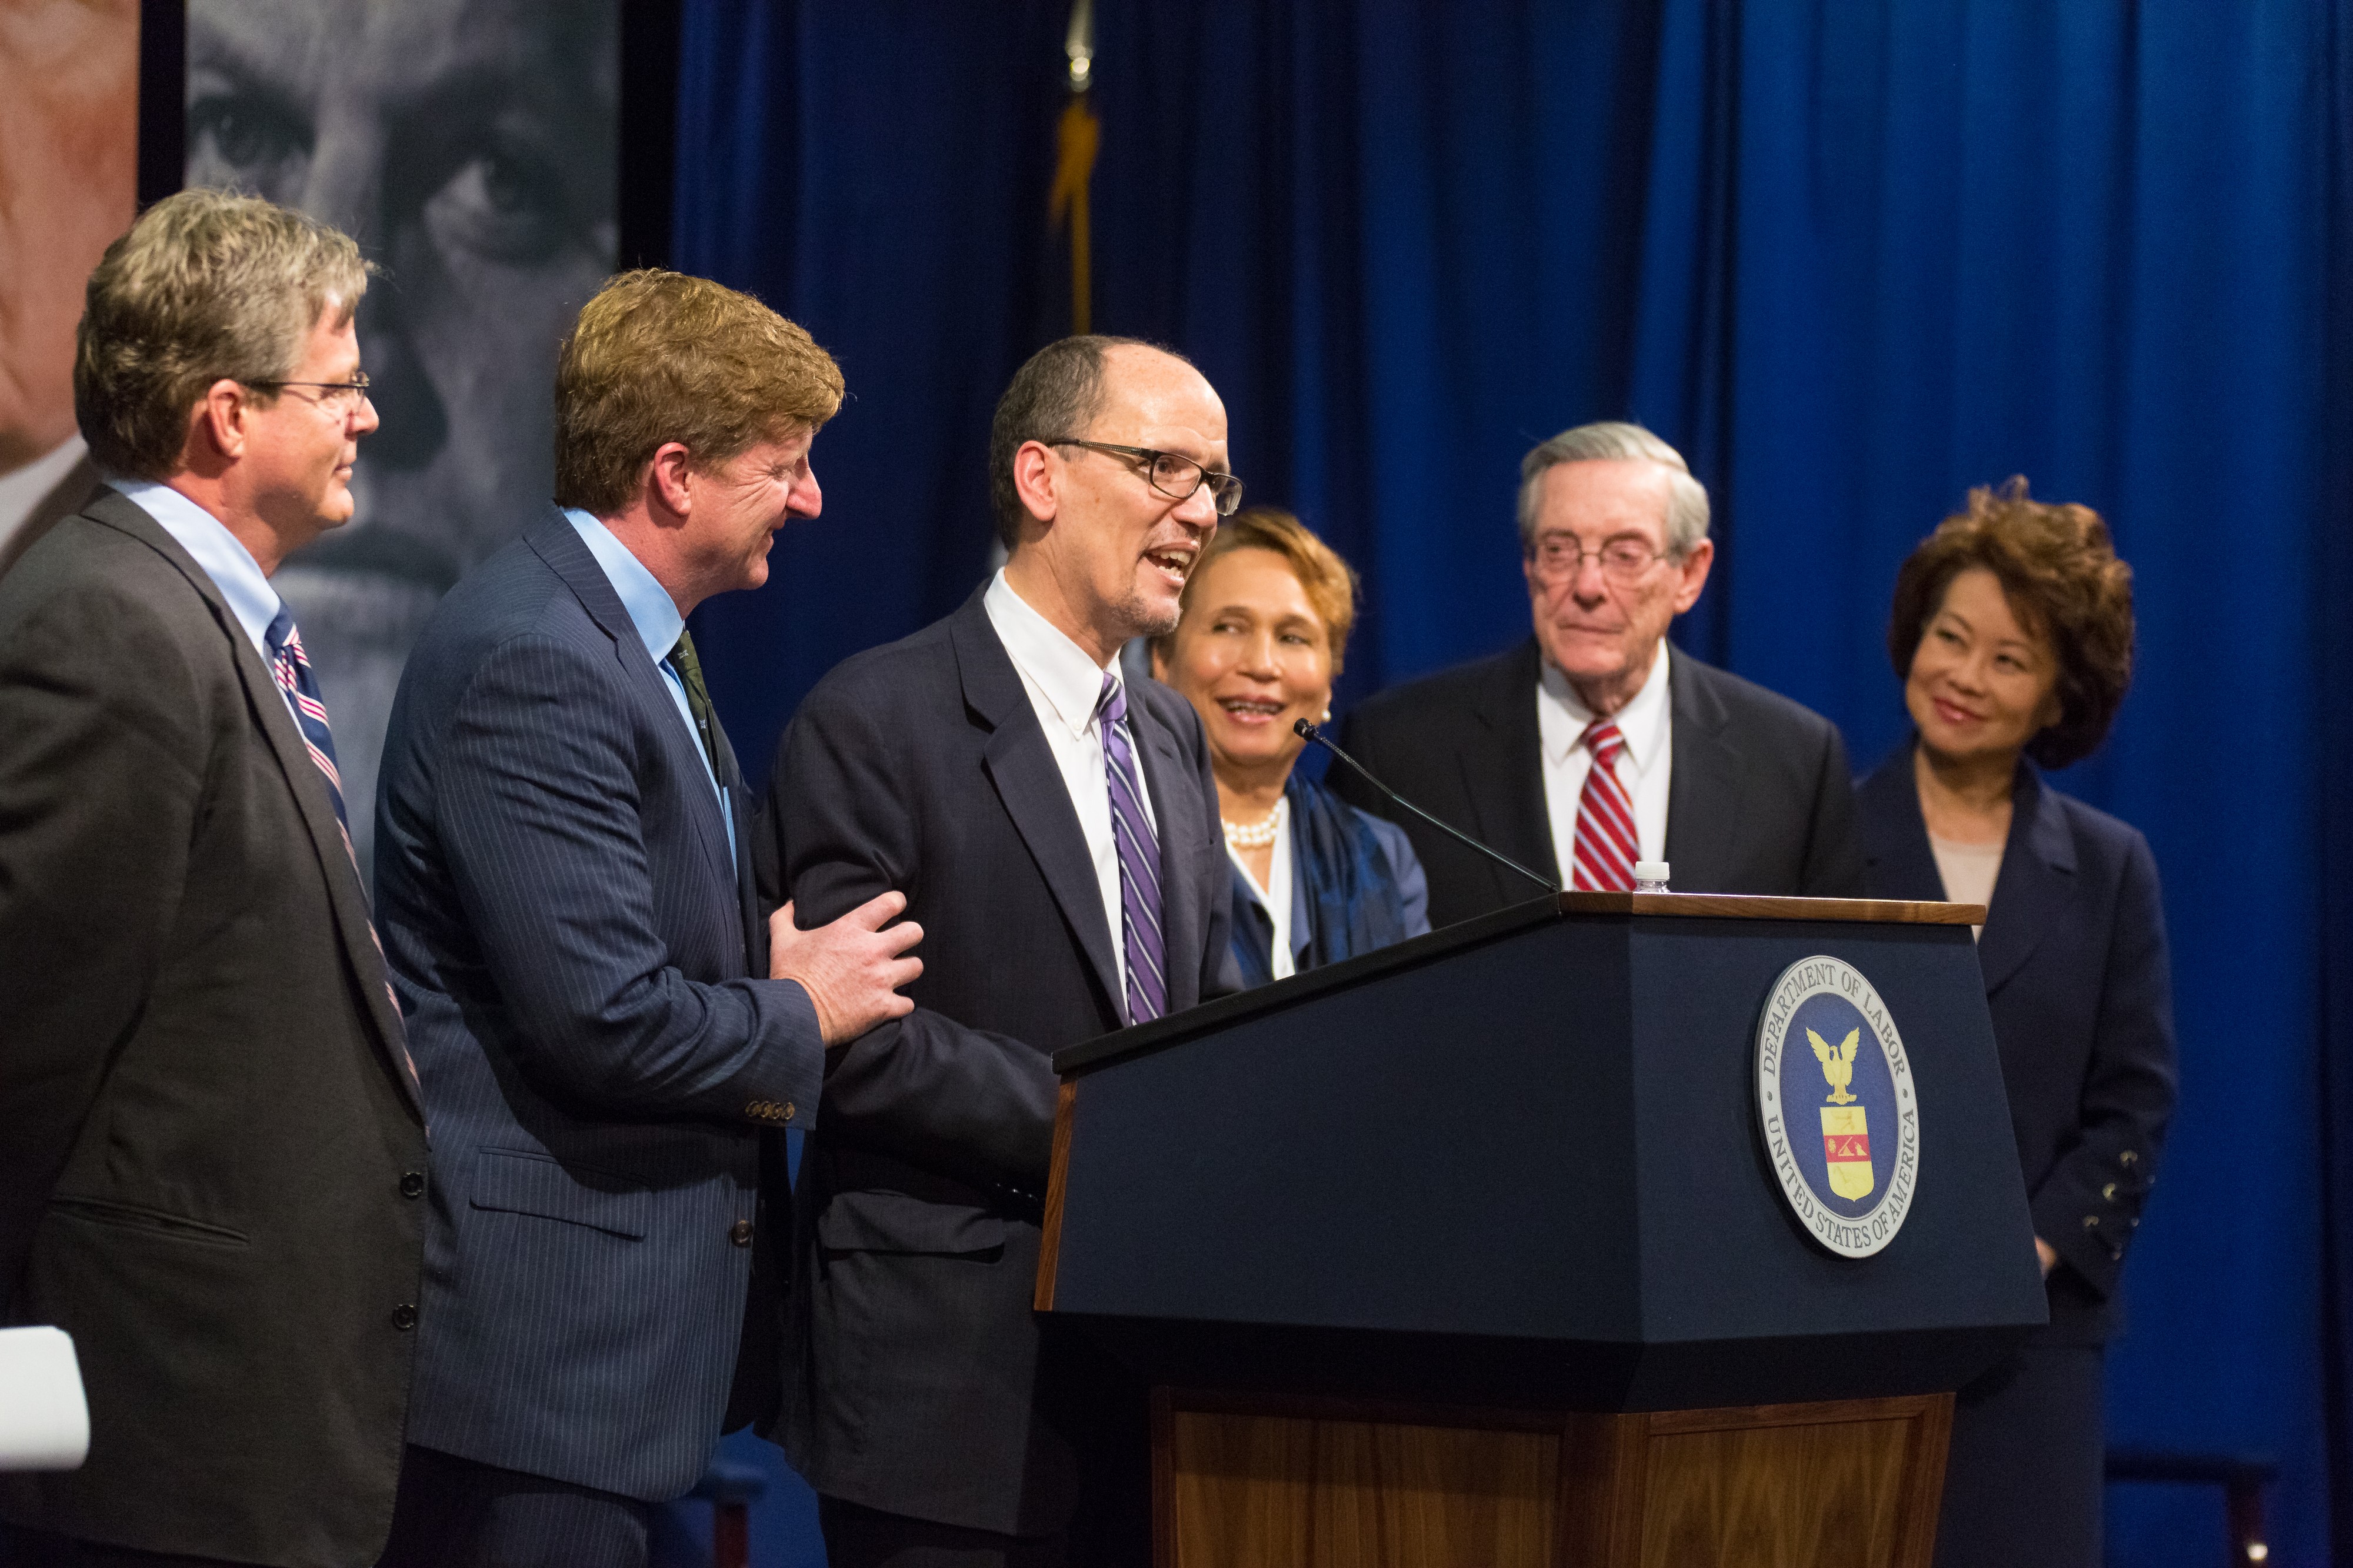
(290, 668)
(1139, 860)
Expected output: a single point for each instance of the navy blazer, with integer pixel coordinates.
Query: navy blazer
(2080, 988)
(1760, 801)
(916, 1379)
(573, 950)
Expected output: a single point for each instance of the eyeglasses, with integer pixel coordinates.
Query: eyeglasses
(335, 396)
(1624, 562)
(1173, 477)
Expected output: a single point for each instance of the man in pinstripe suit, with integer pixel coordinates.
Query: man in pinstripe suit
(611, 1041)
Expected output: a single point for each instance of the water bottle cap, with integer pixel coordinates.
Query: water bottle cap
(1650, 870)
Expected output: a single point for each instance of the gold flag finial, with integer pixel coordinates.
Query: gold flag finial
(1079, 136)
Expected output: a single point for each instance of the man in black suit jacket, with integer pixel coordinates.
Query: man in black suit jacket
(211, 1143)
(983, 766)
(1740, 790)
(611, 1043)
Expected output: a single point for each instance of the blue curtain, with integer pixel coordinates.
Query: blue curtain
(1853, 259)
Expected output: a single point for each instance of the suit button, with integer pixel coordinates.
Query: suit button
(2091, 1222)
(740, 1233)
(404, 1317)
(788, 1111)
(2127, 1159)
(2109, 1192)
(412, 1184)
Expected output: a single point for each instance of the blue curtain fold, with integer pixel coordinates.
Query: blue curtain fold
(1853, 259)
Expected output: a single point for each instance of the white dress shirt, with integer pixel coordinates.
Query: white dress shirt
(225, 559)
(1065, 683)
(1276, 896)
(655, 616)
(1647, 724)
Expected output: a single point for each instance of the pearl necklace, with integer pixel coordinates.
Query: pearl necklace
(1253, 835)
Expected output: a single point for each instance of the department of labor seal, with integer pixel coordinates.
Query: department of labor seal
(1834, 1097)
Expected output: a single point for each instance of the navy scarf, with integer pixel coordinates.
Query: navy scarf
(1353, 903)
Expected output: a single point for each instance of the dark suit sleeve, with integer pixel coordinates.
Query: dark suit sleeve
(101, 782)
(538, 811)
(841, 826)
(1834, 867)
(1221, 971)
(2128, 1091)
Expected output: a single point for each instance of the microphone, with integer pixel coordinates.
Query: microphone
(1306, 730)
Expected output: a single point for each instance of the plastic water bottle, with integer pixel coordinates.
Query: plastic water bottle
(1650, 876)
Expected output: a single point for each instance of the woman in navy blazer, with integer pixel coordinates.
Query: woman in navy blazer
(1265, 624)
(2013, 633)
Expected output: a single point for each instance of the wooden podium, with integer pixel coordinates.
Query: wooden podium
(1471, 1251)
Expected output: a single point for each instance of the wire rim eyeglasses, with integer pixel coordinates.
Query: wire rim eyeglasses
(337, 397)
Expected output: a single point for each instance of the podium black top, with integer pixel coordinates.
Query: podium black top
(1088, 1054)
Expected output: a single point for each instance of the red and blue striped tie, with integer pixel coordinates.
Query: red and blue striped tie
(1139, 860)
(1607, 843)
(290, 668)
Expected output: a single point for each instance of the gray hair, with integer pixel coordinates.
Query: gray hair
(1609, 441)
(206, 286)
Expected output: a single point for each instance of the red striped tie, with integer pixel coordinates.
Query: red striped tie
(1607, 847)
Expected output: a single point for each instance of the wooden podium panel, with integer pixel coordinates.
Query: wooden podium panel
(1332, 1484)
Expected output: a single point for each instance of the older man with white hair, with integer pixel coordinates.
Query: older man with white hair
(1595, 744)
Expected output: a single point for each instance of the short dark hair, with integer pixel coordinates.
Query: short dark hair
(2062, 577)
(1057, 392)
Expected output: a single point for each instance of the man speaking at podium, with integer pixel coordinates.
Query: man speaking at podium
(1056, 830)
(1595, 744)
(608, 1037)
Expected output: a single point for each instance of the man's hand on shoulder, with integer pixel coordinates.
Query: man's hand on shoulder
(852, 969)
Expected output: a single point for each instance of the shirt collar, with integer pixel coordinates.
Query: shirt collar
(1641, 723)
(221, 553)
(1068, 675)
(651, 609)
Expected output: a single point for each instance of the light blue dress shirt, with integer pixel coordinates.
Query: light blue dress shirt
(655, 615)
(224, 557)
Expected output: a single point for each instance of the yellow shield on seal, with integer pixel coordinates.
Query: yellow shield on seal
(1846, 1146)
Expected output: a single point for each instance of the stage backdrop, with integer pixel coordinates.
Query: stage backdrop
(1853, 259)
(471, 147)
(68, 161)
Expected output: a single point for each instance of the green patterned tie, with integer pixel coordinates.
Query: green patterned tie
(698, 697)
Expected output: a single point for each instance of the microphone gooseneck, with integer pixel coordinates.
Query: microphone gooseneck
(1306, 730)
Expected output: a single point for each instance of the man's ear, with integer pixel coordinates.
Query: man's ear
(1037, 480)
(670, 480)
(1693, 570)
(217, 430)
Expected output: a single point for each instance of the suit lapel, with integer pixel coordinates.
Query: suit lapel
(2037, 880)
(1031, 787)
(1703, 796)
(747, 893)
(345, 896)
(1503, 776)
(1895, 849)
(1183, 845)
(558, 544)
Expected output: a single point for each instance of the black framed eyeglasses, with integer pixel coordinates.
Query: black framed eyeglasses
(336, 396)
(1172, 475)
